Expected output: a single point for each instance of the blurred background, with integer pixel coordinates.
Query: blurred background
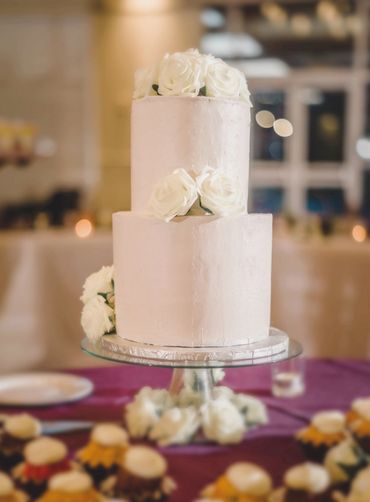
(66, 80)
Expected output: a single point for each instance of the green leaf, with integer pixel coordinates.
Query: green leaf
(203, 91)
(155, 88)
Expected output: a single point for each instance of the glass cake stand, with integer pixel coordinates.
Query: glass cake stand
(195, 362)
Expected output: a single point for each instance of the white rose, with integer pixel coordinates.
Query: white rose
(176, 426)
(144, 80)
(253, 409)
(220, 193)
(99, 282)
(97, 318)
(173, 195)
(141, 415)
(222, 422)
(224, 81)
(181, 74)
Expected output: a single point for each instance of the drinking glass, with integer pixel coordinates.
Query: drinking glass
(288, 378)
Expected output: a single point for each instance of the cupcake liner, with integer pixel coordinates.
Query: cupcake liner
(32, 488)
(314, 453)
(99, 472)
(9, 460)
(303, 496)
(363, 442)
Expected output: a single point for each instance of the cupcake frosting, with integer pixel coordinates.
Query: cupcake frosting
(6, 485)
(249, 478)
(144, 462)
(311, 478)
(22, 426)
(329, 422)
(362, 407)
(71, 482)
(360, 490)
(45, 450)
(109, 435)
(344, 454)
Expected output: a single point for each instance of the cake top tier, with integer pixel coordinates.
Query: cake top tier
(191, 74)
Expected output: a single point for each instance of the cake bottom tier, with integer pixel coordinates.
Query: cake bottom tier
(197, 281)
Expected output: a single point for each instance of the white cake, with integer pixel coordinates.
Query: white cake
(197, 280)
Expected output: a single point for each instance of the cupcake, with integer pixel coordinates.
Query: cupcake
(141, 477)
(242, 482)
(18, 431)
(304, 483)
(8, 493)
(360, 489)
(43, 457)
(358, 420)
(343, 462)
(101, 456)
(71, 486)
(326, 430)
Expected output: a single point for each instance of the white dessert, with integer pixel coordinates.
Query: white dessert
(195, 281)
(144, 462)
(360, 489)
(71, 482)
(340, 457)
(329, 422)
(249, 479)
(109, 435)
(22, 426)
(45, 450)
(362, 407)
(6, 485)
(308, 477)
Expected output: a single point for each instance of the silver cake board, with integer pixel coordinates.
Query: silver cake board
(276, 347)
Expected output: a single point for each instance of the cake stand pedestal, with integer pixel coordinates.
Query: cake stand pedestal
(196, 363)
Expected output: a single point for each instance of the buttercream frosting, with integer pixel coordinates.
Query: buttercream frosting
(186, 132)
(360, 489)
(6, 485)
(362, 407)
(342, 455)
(45, 450)
(109, 435)
(329, 422)
(22, 426)
(144, 462)
(250, 479)
(308, 477)
(214, 276)
(71, 482)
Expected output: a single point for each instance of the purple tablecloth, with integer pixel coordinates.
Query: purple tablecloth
(331, 384)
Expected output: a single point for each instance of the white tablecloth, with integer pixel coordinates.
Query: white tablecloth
(320, 296)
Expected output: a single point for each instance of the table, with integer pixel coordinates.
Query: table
(320, 295)
(332, 384)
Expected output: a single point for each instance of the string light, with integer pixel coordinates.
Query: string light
(359, 233)
(283, 127)
(83, 228)
(265, 119)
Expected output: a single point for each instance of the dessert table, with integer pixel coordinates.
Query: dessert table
(331, 384)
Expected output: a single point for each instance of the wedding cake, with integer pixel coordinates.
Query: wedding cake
(191, 267)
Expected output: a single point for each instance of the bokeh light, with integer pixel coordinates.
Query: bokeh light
(283, 127)
(359, 233)
(265, 119)
(83, 228)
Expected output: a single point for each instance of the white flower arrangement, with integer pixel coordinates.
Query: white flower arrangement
(213, 191)
(157, 415)
(191, 74)
(98, 317)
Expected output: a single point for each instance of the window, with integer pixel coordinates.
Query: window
(326, 127)
(267, 200)
(266, 144)
(326, 201)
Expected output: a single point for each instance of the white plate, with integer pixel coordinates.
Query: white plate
(42, 389)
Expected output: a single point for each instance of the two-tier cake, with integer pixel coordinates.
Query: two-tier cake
(191, 267)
